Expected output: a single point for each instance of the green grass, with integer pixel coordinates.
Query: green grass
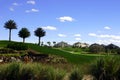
(83, 64)
(72, 58)
(9, 55)
(30, 71)
(3, 43)
(75, 50)
(106, 68)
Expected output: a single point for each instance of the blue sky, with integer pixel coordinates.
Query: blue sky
(90, 21)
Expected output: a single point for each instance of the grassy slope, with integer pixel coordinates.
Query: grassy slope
(73, 58)
(3, 43)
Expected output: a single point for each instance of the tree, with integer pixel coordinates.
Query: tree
(42, 43)
(54, 43)
(96, 48)
(39, 32)
(111, 48)
(49, 43)
(10, 24)
(24, 33)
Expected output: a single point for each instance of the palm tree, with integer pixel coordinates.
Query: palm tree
(10, 24)
(24, 33)
(39, 32)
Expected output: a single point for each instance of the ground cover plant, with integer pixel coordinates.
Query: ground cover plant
(72, 58)
(28, 71)
(106, 68)
(97, 65)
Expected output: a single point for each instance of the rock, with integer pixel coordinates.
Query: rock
(88, 77)
(1, 60)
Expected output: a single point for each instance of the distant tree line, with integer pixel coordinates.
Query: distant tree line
(24, 32)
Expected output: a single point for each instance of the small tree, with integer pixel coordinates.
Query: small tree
(49, 43)
(24, 33)
(54, 43)
(42, 43)
(10, 24)
(39, 32)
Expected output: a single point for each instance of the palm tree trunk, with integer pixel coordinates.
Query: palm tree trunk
(9, 34)
(23, 40)
(39, 41)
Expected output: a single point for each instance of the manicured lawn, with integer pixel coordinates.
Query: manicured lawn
(3, 43)
(71, 57)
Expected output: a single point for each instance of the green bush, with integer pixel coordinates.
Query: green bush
(48, 73)
(6, 51)
(76, 75)
(29, 71)
(26, 73)
(17, 46)
(9, 72)
(3, 71)
(106, 68)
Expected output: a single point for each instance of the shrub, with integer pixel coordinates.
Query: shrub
(60, 74)
(118, 51)
(29, 71)
(17, 46)
(26, 73)
(6, 51)
(3, 71)
(106, 68)
(9, 72)
(76, 75)
(48, 73)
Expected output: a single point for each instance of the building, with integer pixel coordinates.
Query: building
(80, 45)
(62, 44)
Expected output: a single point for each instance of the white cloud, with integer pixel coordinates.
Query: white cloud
(109, 36)
(49, 28)
(65, 18)
(116, 37)
(15, 4)
(103, 42)
(77, 35)
(92, 34)
(32, 10)
(31, 2)
(27, 11)
(11, 9)
(78, 39)
(108, 28)
(106, 38)
(62, 35)
(109, 41)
